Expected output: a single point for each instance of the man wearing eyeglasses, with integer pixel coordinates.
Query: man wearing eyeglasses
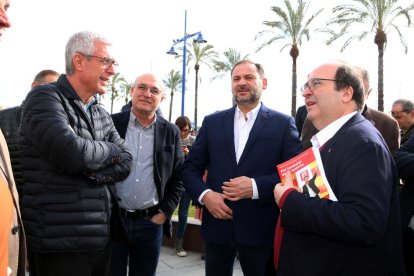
(72, 156)
(150, 194)
(403, 111)
(359, 234)
(386, 125)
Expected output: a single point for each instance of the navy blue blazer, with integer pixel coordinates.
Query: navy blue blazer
(360, 233)
(168, 160)
(272, 140)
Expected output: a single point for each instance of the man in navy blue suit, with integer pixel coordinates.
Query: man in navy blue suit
(240, 148)
(360, 233)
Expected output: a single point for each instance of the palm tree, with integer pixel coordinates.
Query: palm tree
(118, 86)
(173, 82)
(199, 55)
(127, 92)
(291, 26)
(222, 66)
(367, 17)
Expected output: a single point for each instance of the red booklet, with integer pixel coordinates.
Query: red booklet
(308, 174)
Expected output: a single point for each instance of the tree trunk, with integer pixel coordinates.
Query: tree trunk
(380, 40)
(112, 100)
(171, 105)
(294, 53)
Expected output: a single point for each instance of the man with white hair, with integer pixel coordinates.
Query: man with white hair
(72, 156)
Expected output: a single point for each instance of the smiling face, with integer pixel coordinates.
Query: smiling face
(4, 19)
(247, 85)
(147, 94)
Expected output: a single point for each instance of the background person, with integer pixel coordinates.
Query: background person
(72, 155)
(360, 233)
(404, 159)
(187, 141)
(10, 123)
(240, 148)
(403, 111)
(150, 194)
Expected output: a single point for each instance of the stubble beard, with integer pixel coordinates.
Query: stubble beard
(253, 98)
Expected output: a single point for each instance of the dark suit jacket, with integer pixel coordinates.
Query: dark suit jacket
(404, 158)
(360, 233)
(300, 117)
(168, 159)
(386, 125)
(272, 140)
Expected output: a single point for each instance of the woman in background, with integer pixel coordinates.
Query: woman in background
(184, 124)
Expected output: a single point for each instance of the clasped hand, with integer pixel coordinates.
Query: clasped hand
(238, 188)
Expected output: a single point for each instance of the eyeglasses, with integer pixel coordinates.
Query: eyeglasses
(399, 114)
(106, 62)
(142, 88)
(313, 84)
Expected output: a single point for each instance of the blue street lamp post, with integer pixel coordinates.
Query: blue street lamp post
(172, 51)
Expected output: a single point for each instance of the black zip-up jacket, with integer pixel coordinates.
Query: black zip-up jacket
(70, 160)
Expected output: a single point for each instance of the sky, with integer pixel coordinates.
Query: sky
(143, 31)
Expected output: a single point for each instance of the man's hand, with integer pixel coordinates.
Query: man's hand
(159, 218)
(214, 203)
(281, 188)
(238, 188)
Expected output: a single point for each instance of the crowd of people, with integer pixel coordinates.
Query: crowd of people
(89, 193)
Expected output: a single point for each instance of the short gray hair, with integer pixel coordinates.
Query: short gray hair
(81, 42)
(407, 105)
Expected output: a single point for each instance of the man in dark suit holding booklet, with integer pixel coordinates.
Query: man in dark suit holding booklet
(358, 234)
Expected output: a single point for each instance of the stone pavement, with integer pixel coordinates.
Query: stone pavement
(172, 265)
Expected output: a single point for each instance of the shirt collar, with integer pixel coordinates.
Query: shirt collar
(330, 130)
(252, 114)
(134, 120)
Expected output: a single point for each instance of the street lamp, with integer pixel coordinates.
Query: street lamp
(172, 51)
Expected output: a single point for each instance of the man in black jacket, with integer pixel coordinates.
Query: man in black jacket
(10, 123)
(72, 156)
(150, 194)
